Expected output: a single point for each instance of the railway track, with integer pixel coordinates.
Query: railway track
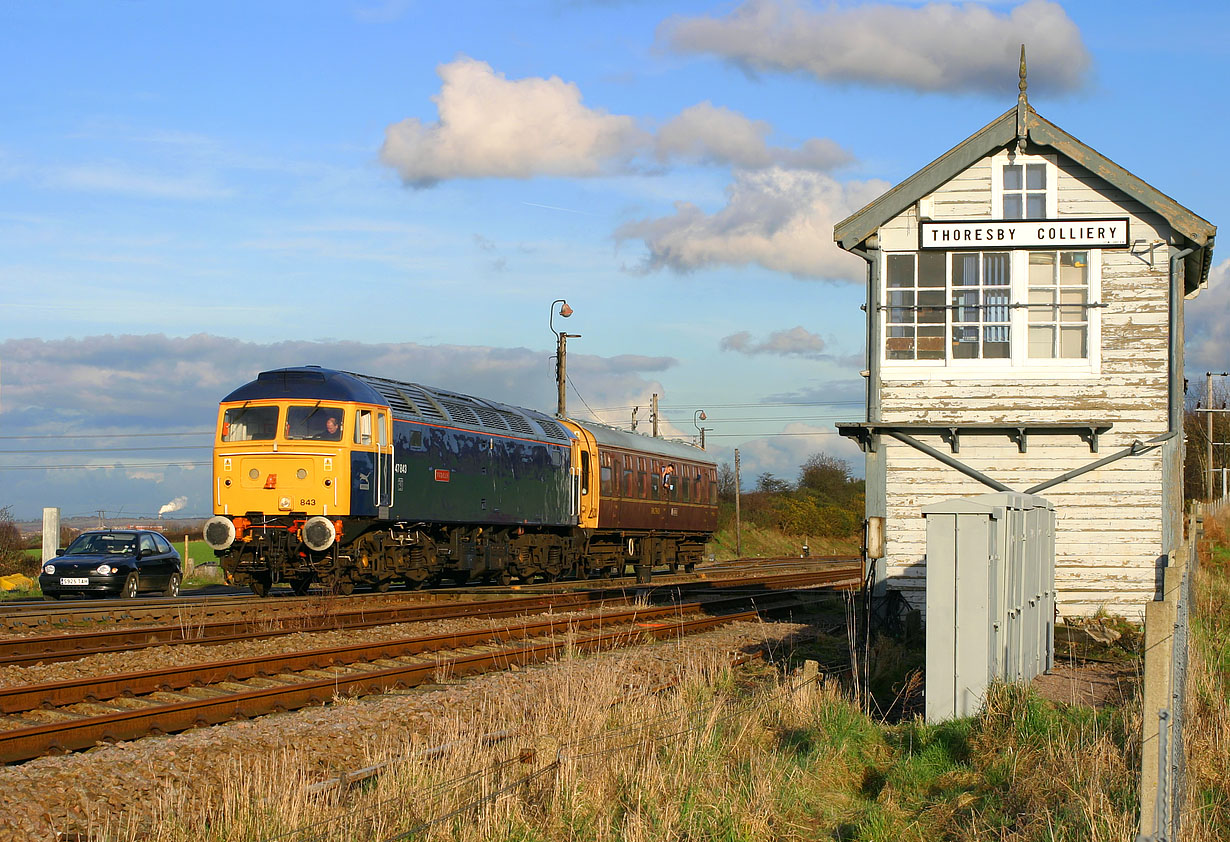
(19, 615)
(72, 715)
(18, 651)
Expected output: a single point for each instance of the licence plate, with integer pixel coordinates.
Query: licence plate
(74, 581)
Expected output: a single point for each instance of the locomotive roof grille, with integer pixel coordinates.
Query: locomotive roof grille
(552, 430)
(517, 423)
(413, 402)
(491, 418)
(460, 414)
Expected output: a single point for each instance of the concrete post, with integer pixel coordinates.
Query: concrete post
(51, 533)
(1155, 698)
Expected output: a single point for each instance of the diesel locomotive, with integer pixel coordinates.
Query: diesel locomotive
(343, 479)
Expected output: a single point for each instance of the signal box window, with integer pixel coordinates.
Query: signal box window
(916, 306)
(1059, 305)
(250, 423)
(322, 423)
(1025, 191)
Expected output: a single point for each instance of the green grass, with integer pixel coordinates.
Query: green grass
(766, 542)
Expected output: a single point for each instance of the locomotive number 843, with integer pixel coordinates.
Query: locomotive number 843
(341, 479)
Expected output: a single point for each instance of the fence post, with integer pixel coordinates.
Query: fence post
(51, 532)
(1155, 702)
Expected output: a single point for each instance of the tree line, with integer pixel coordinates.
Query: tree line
(824, 501)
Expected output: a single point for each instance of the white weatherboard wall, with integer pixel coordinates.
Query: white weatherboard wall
(1109, 528)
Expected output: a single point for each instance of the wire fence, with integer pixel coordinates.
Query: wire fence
(1163, 772)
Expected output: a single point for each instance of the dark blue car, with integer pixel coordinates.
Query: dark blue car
(113, 562)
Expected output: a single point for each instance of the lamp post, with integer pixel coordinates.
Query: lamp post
(561, 353)
(700, 414)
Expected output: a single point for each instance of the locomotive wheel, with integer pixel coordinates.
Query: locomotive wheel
(300, 586)
(382, 586)
(345, 588)
(505, 578)
(260, 587)
(689, 567)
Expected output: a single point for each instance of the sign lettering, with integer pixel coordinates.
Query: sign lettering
(1024, 233)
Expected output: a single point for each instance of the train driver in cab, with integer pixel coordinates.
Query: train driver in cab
(333, 429)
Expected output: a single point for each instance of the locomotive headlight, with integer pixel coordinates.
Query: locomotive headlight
(105, 569)
(50, 569)
(219, 532)
(319, 533)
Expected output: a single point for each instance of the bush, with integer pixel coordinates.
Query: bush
(13, 558)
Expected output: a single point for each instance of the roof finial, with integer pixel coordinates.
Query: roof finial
(1022, 86)
(1022, 109)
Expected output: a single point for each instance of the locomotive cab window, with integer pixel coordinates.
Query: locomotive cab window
(584, 471)
(363, 427)
(250, 423)
(322, 423)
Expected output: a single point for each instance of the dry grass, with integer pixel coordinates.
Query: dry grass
(1207, 732)
(716, 755)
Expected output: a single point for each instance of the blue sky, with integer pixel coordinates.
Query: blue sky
(193, 192)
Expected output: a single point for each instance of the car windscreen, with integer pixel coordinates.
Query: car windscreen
(103, 543)
(250, 423)
(323, 423)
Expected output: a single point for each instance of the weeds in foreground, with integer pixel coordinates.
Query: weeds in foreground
(1207, 734)
(714, 757)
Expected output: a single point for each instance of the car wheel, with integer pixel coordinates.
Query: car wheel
(130, 587)
(172, 588)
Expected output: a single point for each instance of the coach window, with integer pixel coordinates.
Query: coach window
(605, 479)
(653, 485)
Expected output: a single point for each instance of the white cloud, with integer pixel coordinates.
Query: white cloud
(795, 342)
(493, 127)
(490, 126)
(776, 218)
(1208, 325)
(935, 47)
(715, 134)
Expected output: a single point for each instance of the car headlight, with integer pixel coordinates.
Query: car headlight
(50, 569)
(106, 569)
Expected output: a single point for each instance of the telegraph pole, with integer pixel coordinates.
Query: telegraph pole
(1208, 418)
(653, 412)
(561, 354)
(738, 525)
(1209, 429)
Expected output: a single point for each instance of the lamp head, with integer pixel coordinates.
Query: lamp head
(565, 310)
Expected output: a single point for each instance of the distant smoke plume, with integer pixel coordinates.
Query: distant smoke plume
(174, 506)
